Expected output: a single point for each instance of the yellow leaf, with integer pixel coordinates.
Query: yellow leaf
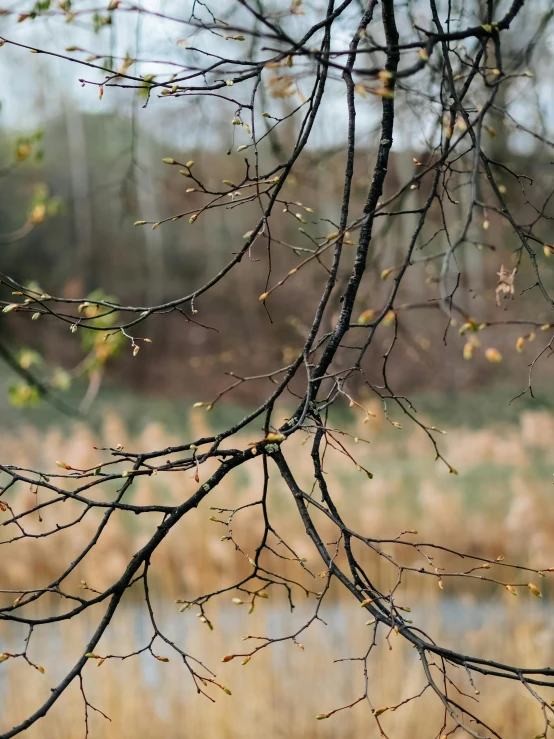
(493, 355)
(275, 437)
(468, 350)
(38, 213)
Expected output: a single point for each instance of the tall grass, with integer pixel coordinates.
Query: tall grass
(499, 504)
(278, 693)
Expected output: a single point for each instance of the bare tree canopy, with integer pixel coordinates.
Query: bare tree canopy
(297, 78)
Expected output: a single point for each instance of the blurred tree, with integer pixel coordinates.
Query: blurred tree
(306, 98)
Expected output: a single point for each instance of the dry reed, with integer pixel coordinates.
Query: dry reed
(497, 505)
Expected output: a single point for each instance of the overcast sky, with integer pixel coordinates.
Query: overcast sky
(35, 87)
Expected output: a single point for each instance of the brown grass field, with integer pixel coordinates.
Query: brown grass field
(499, 504)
